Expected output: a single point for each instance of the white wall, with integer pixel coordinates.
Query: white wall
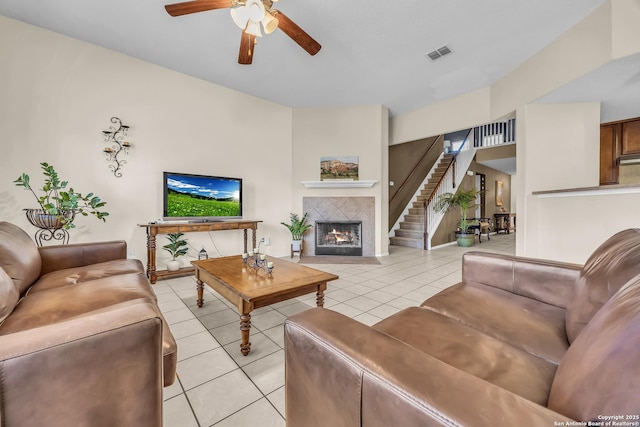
(626, 31)
(349, 131)
(558, 147)
(58, 94)
(574, 225)
(451, 115)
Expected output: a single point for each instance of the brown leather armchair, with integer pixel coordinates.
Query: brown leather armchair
(82, 340)
(518, 342)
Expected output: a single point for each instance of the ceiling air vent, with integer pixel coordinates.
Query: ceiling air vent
(439, 53)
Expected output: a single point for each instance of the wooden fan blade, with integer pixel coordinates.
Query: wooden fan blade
(187, 7)
(296, 33)
(247, 47)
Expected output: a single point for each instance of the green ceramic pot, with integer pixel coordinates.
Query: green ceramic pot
(465, 239)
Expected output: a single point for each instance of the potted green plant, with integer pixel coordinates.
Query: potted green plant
(177, 247)
(59, 206)
(463, 199)
(297, 226)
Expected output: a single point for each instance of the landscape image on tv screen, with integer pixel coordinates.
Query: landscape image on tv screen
(202, 196)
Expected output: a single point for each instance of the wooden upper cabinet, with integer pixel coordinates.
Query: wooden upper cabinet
(617, 139)
(609, 142)
(631, 137)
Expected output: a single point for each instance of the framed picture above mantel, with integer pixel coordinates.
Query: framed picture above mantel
(339, 168)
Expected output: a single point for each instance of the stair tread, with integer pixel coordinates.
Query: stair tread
(406, 242)
(403, 238)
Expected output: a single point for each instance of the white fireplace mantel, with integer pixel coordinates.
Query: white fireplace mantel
(339, 184)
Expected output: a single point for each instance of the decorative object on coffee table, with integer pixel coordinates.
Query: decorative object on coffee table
(58, 206)
(258, 263)
(114, 137)
(177, 247)
(297, 226)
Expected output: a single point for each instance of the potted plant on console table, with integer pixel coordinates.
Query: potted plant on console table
(463, 199)
(58, 206)
(176, 247)
(297, 226)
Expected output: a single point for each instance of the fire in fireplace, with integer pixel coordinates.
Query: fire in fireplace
(339, 238)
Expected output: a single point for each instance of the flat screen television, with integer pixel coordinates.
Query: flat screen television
(201, 198)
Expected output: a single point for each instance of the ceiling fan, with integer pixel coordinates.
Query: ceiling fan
(248, 15)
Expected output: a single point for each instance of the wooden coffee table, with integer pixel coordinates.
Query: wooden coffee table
(248, 289)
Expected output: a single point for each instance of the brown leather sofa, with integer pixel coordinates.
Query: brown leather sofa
(519, 342)
(82, 340)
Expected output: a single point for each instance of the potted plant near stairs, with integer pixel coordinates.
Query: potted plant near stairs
(176, 247)
(463, 200)
(297, 226)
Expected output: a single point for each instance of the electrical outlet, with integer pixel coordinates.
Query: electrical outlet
(266, 241)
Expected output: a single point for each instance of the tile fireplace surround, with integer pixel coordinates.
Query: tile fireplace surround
(341, 209)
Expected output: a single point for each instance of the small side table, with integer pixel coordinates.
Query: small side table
(503, 222)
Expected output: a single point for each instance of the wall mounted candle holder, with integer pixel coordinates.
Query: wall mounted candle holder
(114, 137)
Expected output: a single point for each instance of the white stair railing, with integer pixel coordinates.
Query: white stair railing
(496, 133)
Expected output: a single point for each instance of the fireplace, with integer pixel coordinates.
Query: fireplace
(338, 238)
(341, 209)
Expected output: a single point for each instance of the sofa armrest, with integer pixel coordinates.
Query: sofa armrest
(340, 372)
(548, 281)
(102, 369)
(59, 257)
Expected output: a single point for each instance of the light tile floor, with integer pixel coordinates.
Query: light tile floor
(218, 386)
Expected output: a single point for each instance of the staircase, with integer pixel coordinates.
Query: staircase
(411, 231)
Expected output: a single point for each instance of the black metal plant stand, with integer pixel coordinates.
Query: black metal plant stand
(50, 227)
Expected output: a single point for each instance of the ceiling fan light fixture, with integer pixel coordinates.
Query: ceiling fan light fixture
(256, 10)
(248, 17)
(240, 16)
(269, 23)
(253, 28)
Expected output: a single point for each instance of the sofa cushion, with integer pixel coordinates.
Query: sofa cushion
(9, 295)
(536, 327)
(599, 374)
(610, 266)
(59, 304)
(472, 351)
(19, 256)
(72, 276)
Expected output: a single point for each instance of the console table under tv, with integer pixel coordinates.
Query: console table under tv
(154, 229)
